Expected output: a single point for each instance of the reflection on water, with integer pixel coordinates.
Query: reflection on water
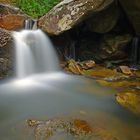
(43, 97)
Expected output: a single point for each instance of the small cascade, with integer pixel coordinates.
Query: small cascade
(34, 53)
(34, 27)
(29, 23)
(135, 52)
(70, 52)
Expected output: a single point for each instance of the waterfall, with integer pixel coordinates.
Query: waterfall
(135, 52)
(29, 24)
(34, 53)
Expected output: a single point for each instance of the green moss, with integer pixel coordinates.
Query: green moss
(36, 8)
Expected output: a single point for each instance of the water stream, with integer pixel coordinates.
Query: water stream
(135, 51)
(41, 91)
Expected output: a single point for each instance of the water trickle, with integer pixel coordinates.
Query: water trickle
(29, 24)
(135, 51)
(34, 53)
(70, 52)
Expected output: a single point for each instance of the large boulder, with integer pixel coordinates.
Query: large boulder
(132, 9)
(105, 20)
(11, 18)
(69, 13)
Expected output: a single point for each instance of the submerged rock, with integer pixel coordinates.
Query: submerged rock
(69, 13)
(11, 18)
(130, 100)
(47, 129)
(73, 128)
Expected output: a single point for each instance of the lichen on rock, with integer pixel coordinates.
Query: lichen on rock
(69, 13)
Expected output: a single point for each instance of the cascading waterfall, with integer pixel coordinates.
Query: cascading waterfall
(34, 54)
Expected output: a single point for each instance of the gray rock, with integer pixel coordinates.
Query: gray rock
(69, 13)
(132, 9)
(105, 20)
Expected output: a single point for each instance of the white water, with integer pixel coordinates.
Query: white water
(34, 53)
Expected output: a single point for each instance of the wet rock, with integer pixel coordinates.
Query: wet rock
(132, 9)
(73, 67)
(136, 73)
(87, 64)
(105, 20)
(69, 13)
(105, 73)
(113, 47)
(121, 84)
(125, 69)
(130, 100)
(6, 42)
(88, 68)
(78, 67)
(109, 47)
(11, 18)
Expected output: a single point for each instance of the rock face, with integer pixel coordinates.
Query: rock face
(113, 47)
(109, 47)
(69, 13)
(132, 9)
(6, 42)
(11, 18)
(105, 20)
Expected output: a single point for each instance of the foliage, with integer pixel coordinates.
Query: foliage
(36, 8)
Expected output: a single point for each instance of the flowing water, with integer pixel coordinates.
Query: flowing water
(41, 91)
(135, 51)
(29, 23)
(34, 54)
